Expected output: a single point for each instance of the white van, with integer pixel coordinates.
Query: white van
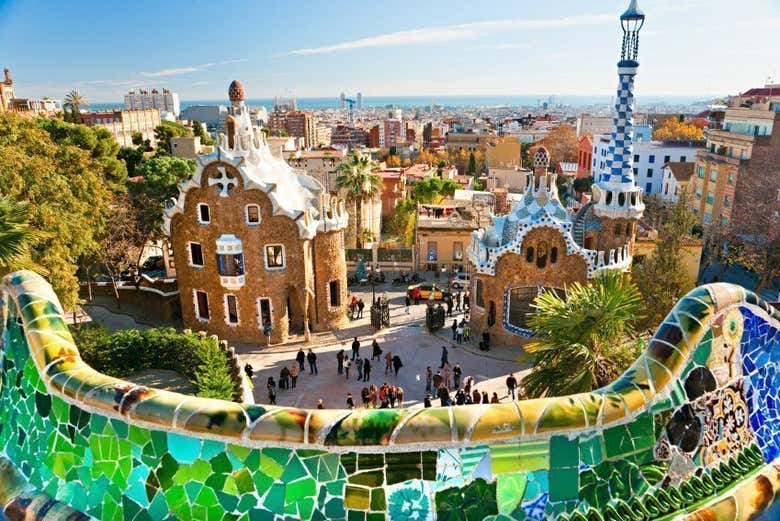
(460, 281)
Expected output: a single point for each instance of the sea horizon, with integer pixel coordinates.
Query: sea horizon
(454, 101)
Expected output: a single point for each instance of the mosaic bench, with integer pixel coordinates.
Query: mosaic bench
(691, 431)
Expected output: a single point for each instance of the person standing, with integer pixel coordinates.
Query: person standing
(397, 364)
(466, 302)
(388, 362)
(408, 303)
(486, 339)
(448, 302)
(459, 333)
(347, 365)
(476, 397)
(511, 383)
(312, 358)
(376, 351)
(466, 332)
(454, 328)
(361, 305)
(359, 367)
(271, 386)
(428, 379)
(355, 349)
(340, 362)
(437, 382)
(457, 301)
(319, 404)
(444, 396)
(485, 397)
(293, 374)
(249, 370)
(444, 356)
(447, 376)
(284, 376)
(416, 295)
(301, 358)
(399, 396)
(427, 401)
(350, 401)
(494, 398)
(366, 370)
(456, 374)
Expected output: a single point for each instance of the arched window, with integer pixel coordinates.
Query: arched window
(553, 255)
(629, 229)
(541, 255)
(622, 199)
(529, 254)
(618, 230)
(609, 198)
(520, 305)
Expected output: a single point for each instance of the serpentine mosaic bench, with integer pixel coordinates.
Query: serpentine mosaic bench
(691, 431)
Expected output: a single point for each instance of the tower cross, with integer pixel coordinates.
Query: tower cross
(223, 181)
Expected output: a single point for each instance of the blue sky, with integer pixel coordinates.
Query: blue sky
(431, 47)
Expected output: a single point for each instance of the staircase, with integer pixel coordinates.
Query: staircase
(578, 228)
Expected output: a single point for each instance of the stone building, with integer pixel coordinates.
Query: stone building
(124, 123)
(540, 245)
(256, 242)
(6, 91)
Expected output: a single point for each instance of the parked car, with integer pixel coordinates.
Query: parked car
(425, 291)
(460, 281)
(155, 262)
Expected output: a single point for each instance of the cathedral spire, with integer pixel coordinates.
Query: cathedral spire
(616, 194)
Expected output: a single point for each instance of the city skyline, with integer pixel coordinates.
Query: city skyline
(564, 49)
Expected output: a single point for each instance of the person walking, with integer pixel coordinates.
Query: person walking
(284, 378)
(340, 362)
(359, 367)
(301, 358)
(360, 305)
(428, 379)
(457, 301)
(511, 384)
(347, 365)
(448, 302)
(459, 333)
(456, 374)
(447, 376)
(397, 364)
(466, 332)
(355, 349)
(454, 328)
(350, 401)
(399, 396)
(312, 358)
(407, 302)
(437, 381)
(376, 351)
(388, 362)
(444, 356)
(293, 374)
(416, 295)
(366, 370)
(271, 386)
(249, 370)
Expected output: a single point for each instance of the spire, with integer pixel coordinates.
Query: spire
(616, 194)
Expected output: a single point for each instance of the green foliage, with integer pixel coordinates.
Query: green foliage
(74, 101)
(434, 189)
(356, 178)
(662, 279)
(161, 176)
(68, 177)
(129, 351)
(17, 237)
(583, 184)
(166, 130)
(198, 131)
(479, 187)
(472, 169)
(582, 336)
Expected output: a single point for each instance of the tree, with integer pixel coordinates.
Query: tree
(662, 279)
(582, 336)
(17, 236)
(561, 143)
(674, 128)
(198, 131)
(472, 169)
(425, 157)
(393, 161)
(167, 130)
(583, 184)
(74, 101)
(433, 190)
(357, 178)
(59, 170)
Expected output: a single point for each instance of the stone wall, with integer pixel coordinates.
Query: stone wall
(151, 306)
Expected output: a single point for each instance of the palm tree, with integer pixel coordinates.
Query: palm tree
(582, 337)
(74, 101)
(357, 178)
(16, 236)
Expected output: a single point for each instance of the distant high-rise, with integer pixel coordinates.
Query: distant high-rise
(165, 101)
(359, 100)
(342, 101)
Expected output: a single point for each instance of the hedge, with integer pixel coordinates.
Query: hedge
(126, 352)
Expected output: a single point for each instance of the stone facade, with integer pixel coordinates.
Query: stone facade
(262, 241)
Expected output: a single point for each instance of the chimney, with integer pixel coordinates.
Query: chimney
(7, 74)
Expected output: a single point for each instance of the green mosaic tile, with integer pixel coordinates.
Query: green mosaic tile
(564, 453)
(356, 497)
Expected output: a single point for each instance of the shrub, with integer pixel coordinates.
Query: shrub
(128, 351)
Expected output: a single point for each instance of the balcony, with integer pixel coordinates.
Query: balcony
(232, 281)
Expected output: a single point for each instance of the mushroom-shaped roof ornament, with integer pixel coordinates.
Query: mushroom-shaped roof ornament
(236, 91)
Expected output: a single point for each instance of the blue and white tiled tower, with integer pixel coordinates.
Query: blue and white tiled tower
(616, 194)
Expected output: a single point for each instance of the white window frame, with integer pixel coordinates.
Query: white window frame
(265, 257)
(189, 255)
(246, 215)
(227, 310)
(260, 313)
(198, 316)
(201, 221)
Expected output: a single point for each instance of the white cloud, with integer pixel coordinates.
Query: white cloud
(448, 33)
(500, 46)
(187, 70)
